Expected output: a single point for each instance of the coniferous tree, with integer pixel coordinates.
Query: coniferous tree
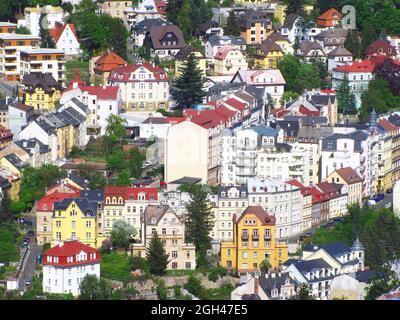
(199, 220)
(45, 37)
(296, 44)
(353, 44)
(156, 256)
(232, 27)
(369, 35)
(295, 6)
(5, 207)
(343, 96)
(187, 89)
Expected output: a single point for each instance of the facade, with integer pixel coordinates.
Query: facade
(268, 55)
(7, 27)
(311, 51)
(339, 57)
(104, 64)
(182, 56)
(32, 18)
(10, 46)
(170, 228)
(114, 8)
(228, 61)
(293, 27)
(164, 41)
(6, 137)
(254, 241)
(50, 61)
(19, 115)
(144, 87)
(353, 183)
(66, 39)
(66, 264)
(253, 27)
(329, 19)
(216, 43)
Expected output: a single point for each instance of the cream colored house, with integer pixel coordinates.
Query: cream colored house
(184, 54)
(184, 156)
(229, 60)
(114, 8)
(171, 229)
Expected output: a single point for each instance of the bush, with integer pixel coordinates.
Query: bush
(195, 287)
(162, 292)
(116, 267)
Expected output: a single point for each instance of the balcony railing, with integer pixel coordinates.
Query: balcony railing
(245, 237)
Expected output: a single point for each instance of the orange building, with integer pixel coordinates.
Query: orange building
(7, 27)
(253, 26)
(329, 19)
(105, 63)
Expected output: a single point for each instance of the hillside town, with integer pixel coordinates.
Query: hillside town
(199, 150)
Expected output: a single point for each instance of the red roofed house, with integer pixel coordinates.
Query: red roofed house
(101, 66)
(337, 194)
(329, 19)
(320, 207)
(144, 87)
(352, 181)
(359, 74)
(229, 60)
(306, 202)
(100, 100)
(126, 203)
(44, 214)
(380, 47)
(67, 264)
(65, 38)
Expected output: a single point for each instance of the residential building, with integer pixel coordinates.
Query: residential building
(164, 41)
(281, 41)
(38, 153)
(10, 46)
(42, 91)
(140, 29)
(51, 61)
(4, 112)
(75, 219)
(293, 27)
(311, 51)
(144, 87)
(352, 181)
(268, 55)
(66, 264)
(103, 65)
(395, 42)
(66, 39)
(6, 137)
(267, 286)
(337, 198)
(331, 39)
(352, 286)
(7, 27)
(44, 212)
(32, 18)
(339, 57)
(330, 18)
(210, 28)
(306, 203)
(147, 9)
(19, 115)
(114, 8)
(321, 264)
(381, 48)
(254, 240)
(228, 61)
(253, 26)
(271, 80)
(183, 55)
(216, 43)
(171, 229)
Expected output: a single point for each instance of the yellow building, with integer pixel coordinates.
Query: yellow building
(10, 169)
(254, 240)
(114, 8)
(182, 56)
(228, 61)
(280, 11)
(268, 55)
(253, 27)
(351, 180)
(171, 229)
(75, 219)
(42, 91)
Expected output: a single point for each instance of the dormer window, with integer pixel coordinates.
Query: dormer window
(153, 220)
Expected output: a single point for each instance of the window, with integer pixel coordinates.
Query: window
(174, 254)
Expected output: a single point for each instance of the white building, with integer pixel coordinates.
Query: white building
(65, 38)
(66, 265)
(293, 27)
(396, 198)
(339, 57)
(215, 43)
(32, 18)
(147, 9)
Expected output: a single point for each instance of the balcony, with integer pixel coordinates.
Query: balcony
(267, 237)
(245, 237)
(255, 237)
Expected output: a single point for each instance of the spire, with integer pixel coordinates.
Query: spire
(76, 81)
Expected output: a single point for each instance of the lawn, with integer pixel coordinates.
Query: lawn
(9, 243)
(83, 67)
(116, 267)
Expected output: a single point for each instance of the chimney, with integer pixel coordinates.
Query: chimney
(60, 244)
(256, 283)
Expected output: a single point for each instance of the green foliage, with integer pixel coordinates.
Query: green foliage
(92, 288)
(304, 293)
(307, 78)
(116, 160)
(378, 96)
(115, 130)
(9, 241)
(83, 68)
(346, 100)
(187, 89)
(162, 292)
(177, 113)
(289, 96)
(194, 286)
(46, 39)
(116, 267)
(199, 221)
(381, 285)
(369, 35)
(289, 66)
(5, 208)
(138, 262)
(232, 27)
(135, 162)
(156, 256)
(353, 44)
(121, 233)
(22, 30)
(265, 265)
(124, 178)
(216, 273)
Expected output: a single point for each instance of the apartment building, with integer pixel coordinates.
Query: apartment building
(170, 228)
(10, 46)
(144, 87)
(40, 60)
(114, 8)
(228, 61)
(253, 27)
(352, 181)
(7, 27)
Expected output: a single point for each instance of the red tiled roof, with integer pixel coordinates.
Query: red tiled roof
(59, 28)
(380, 47)
(349, 175)
(326, 19)
(308, 112)
(190, 112)
(47, 202)
(122, 74)
(71, 249)
(296, 183)
(160, 5)
(280, 112)
(318, 196)
(130, 193)
(175, 119)
(329, 189)
(102, 92)
(387, 125)
(109, 61)
(225, 111)
(223, 52)
(357, 66)
(240, 106)
(327, 91)
(209, 119)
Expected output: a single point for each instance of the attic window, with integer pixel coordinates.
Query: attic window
(153, 220)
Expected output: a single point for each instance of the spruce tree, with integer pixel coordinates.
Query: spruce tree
(187, 89)
(369, 35)
(156, 256)
(296, 44)
(343, 96)
(353, 44)
(5, 207)
(232, 27)
(199, 221)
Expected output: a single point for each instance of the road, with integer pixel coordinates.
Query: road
(387, 201)
(29, 263)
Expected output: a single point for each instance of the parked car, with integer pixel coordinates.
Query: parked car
(31, 233)
(27, 282)
(389, 190)
(27, 222)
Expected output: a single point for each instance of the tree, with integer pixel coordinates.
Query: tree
(194, 286)
(45, 37)
(289, 66)
(162, 292)
(124, 178)
(92, 288)
(369, 35)
(232, 27)
(304, 292)
(116, 160)
(307, 78)
(353, 43)
(385, 283)
(5, 207)
(135, 162)
(265, 265)
(390, 71)
(199, 221)
(156, 256)
(187, 89)
(115, 130)
(295, 6)
(296, 44)
(343, 96)
(22, 30)
(121, 233)
(184, 19)
(67, 6)
(288, 96)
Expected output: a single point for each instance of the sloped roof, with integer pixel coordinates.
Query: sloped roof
(40, 80)
(349, 175)
(59, 28)
(157, 32)
(108, 61)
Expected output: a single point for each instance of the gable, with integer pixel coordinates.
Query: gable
(322, 254)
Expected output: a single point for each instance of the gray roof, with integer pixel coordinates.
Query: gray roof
(29, 144)
(89, 208)
(270, 283)
(334, 249)
(340, 52)
(49, 129)
(366, 276)
(305, 266)
(264, 130)
(14, 160)
(146, 24)
(216, 40)
(290, 20)
(81, 105)
(3, 105)
(186, 180)
(242, 188)
(330, 143)
(306, 47)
